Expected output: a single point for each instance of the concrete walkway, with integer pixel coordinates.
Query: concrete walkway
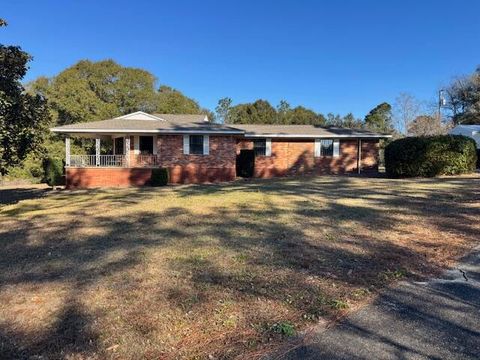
(438, 319)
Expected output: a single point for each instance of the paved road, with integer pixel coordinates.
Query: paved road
(439, 319)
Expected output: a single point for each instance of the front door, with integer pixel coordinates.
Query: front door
(245, 163)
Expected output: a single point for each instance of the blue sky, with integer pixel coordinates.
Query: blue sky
(336, 56)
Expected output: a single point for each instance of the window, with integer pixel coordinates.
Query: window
(196, 144)
(326, 147)
(260, 147)
(146, 145)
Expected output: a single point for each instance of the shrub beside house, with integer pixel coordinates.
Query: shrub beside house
(430, 156)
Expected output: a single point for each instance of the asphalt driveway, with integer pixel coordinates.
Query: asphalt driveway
(438, 319)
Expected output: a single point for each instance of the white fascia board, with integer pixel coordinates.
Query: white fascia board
(306, 136)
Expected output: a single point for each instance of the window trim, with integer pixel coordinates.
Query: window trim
(335, 152)
(268, 146)
(205, 145)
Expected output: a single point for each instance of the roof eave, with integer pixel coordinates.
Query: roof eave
(311, 136)
(144, 131)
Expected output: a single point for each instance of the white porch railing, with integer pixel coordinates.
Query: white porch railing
(114, 161)
(82, 160)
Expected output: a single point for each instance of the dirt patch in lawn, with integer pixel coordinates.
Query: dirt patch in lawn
(215, 271)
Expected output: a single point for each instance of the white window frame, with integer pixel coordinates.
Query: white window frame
(206, 144)
(318, 148)
(268, 146)
(336, 147)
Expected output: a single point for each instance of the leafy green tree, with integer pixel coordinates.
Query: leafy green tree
(171, 101)
(223, 110)
(259, 112)
(23, 117)
(302, 116)
(89, 91)
(380, 118)
(265, 113)
(349, 121)
(283, 112)
(334, 120)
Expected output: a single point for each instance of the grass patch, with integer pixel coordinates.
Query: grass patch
(338, 304)
(393, 275)
(216, 270)
(284, 328)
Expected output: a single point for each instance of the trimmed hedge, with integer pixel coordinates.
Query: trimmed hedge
(53, 170)
(159, 177)
(430, 156)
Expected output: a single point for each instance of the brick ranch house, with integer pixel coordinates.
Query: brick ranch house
(195, 150)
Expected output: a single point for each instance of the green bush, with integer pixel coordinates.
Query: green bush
(430, 156)
(159, 177)
(30, 170)
(53, 169)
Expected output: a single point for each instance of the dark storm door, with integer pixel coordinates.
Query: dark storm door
(119, 150)
(245, 163)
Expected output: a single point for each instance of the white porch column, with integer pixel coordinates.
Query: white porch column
(97, 152)
(127, 150)
(67, 151)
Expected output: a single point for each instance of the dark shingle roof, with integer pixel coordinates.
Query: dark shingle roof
(303, 131)
(186, 123)
(169, 124)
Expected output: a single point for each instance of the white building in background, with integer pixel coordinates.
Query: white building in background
(472, 131)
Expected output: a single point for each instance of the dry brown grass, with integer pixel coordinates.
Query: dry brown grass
(214, 270)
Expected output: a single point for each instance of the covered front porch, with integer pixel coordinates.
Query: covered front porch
(126, 151)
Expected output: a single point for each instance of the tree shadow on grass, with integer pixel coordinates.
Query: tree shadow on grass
(239, 251)
(69, 335)
(14, 195)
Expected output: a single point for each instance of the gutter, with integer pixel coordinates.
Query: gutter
(307, 136)
(224, 132)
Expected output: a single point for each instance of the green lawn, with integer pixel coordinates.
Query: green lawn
(223, 270)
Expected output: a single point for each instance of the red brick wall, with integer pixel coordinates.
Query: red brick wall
(219, 165)
(370, 158)
(77, 178)
(297, 157)
(288, 157)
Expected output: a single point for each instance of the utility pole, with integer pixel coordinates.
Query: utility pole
(441, 102)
